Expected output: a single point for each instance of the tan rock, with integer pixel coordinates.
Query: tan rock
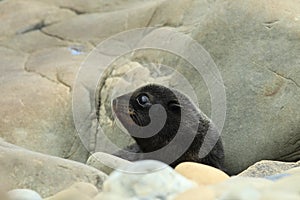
(196, 194)
(45, 174)
(110, 196)
(70, 193)
(202, 174)
(3, 195)
(86, 188)
(17, 18)
(78, 191)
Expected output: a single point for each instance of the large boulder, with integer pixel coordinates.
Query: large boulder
(255, 47)
(21, 168)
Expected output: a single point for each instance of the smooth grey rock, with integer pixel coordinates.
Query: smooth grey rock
(144, 180)
(45, 174)
(106, 162)
(255, 47)
(261, 78)
(23, 194)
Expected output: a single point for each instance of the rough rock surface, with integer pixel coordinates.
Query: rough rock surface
(268, 168)
(45, 174)
(255, 45)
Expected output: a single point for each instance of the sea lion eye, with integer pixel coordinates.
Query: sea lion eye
(143, 100)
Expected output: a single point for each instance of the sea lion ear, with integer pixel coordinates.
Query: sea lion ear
(174, 105)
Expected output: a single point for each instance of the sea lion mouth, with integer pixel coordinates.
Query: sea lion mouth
(123, 113)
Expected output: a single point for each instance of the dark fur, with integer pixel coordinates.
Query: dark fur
(193, 120)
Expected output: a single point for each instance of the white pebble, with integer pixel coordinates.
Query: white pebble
(23, 194)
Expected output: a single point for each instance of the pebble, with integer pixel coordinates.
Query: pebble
(78, 191)
(240, 188)
(241, 193)
(290, 184)
(23, 194)
(109, 196)
(86, 188)
(197, 193)
(200, 173)
(295, 170)
(279, 195)
(146, 179)
(69, 193)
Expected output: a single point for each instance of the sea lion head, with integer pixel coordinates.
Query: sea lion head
(183, 119)
(133, 109)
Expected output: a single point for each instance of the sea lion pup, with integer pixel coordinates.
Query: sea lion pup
(181, 126)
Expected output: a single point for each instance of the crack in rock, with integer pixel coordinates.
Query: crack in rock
(74, 10)
(58, 81)
(152, 16)
(63, 82)
(286, 78)
(270, 24)
(52, 35)
(34, 27)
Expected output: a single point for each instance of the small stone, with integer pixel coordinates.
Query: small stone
(201, 174)
(86, 188)
(196, 194)
(295, 170)
(245, 193)
(288, 184)
(146, 179)
(109, 196)
(70, 193)
(279, 195)
(79, 190)
(23, 194)
(240, 187)
(106, 162)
